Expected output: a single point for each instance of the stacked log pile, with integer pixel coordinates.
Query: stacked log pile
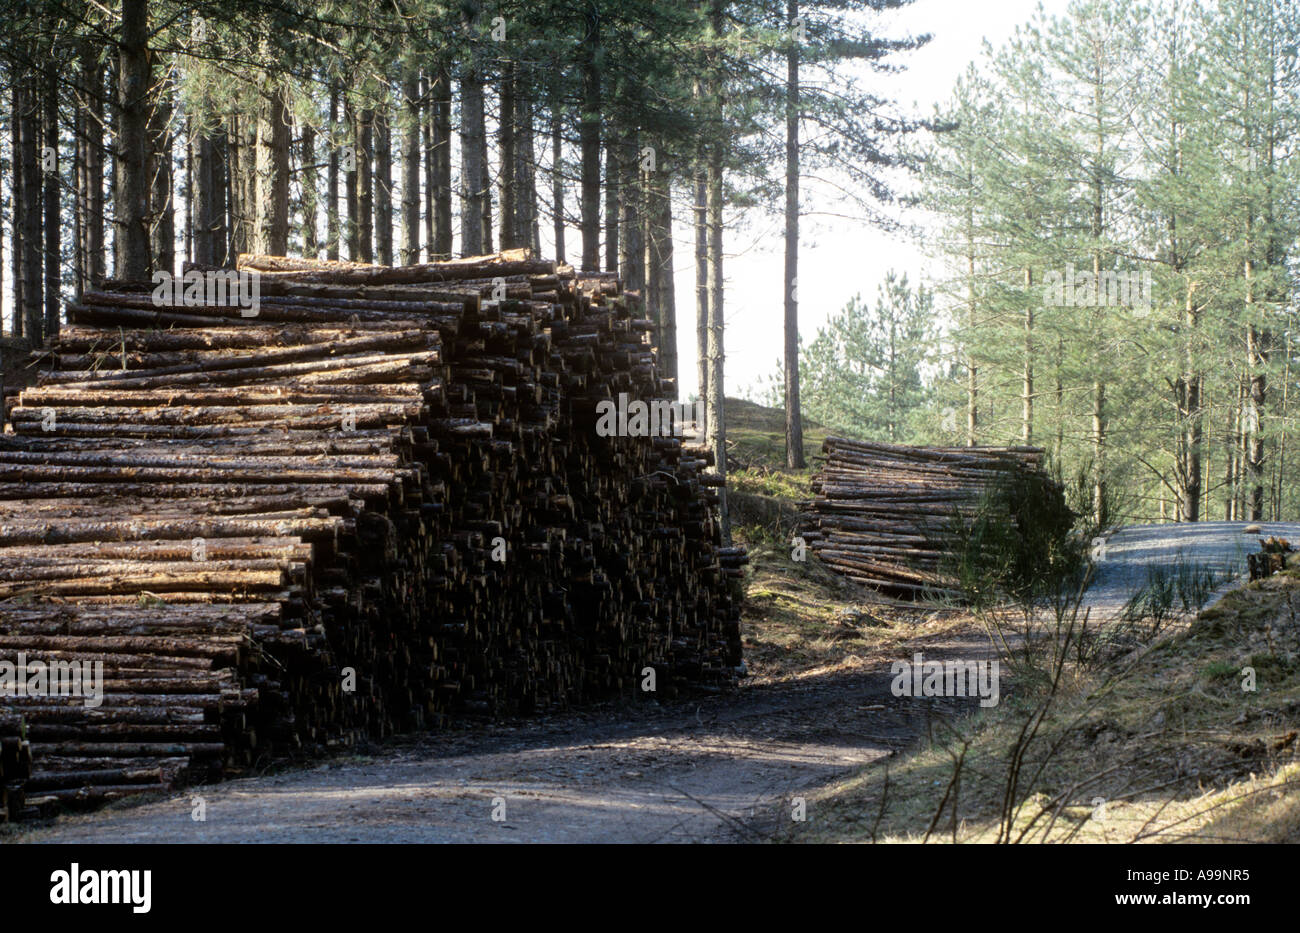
(891, 517)
(378, 502)
(15, 766)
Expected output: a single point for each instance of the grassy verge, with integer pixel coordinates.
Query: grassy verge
(1165, 742)
(800, 619)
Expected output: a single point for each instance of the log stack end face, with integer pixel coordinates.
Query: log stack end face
(378, 502)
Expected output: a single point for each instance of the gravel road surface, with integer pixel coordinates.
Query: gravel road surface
(1124, 559)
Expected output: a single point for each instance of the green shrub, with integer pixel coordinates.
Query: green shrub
(1020, 543)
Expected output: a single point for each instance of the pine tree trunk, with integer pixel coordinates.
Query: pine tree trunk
(1237, 457)
(557, 181)
(80, 193)
(223, 214)
(92, 136)
(33, 204)
(230, 176)
(188, 192)
(506, 142)
(239, 183)
(112, 231)
(972, 373)
(485, 174)
(257, 180)
(366, 185)
(352, 226)
(426, 137)
(632, 197)
(1099, 429)
(131, 206)
(649, 236)
(383, 187)
(660, 285)
(794, 457)
(1229, 466)
(1191, 493)
(1279, 465)
(162, 207)
(1255, 438)
(702, 292)
(473, 137)
(589, 139)
(717, 424)
(613, 196)
(2, 251)
(280, 136)
(440, 158)
(206, 191)
(1027, 367)
(526, 214)
(1252, 446)
(1190, 419)
(1100, 417)
(310, 199)
(50, 132)
(18, 227)
(411, 167)
(891, 374)
(334, 229)
(715, 150)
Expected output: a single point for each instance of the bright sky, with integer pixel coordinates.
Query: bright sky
(838, 258)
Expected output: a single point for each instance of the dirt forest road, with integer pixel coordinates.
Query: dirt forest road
(716, 770)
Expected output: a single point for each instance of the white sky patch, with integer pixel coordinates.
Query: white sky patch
(838, 257)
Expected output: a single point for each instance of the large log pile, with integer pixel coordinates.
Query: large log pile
(892, 517)
(15, 766)
(378, 502)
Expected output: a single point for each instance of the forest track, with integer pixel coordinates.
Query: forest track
(720, 769)
(1123, 564)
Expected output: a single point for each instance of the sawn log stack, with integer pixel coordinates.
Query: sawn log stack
(378, 502)
(891, 517)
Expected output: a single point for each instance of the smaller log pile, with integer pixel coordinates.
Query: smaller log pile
(1270, 559)
(890, 517)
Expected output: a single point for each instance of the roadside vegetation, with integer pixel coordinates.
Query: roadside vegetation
(1166, 722)
(1116, 741)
